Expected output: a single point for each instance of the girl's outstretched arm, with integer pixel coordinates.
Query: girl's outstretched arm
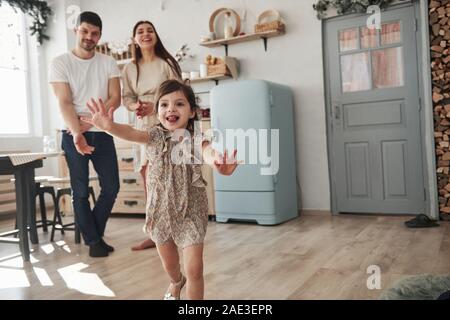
(103, 120)
(222, 163)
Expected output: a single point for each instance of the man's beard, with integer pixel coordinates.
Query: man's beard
(87, 47)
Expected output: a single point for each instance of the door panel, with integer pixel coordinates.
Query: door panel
(394, 162)
(357, 156)
(375, 115)
(359, 116)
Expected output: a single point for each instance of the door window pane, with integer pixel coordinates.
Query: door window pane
(387, 68)
(391, 33)
(355, 72)
(368, 38)
(348, 39)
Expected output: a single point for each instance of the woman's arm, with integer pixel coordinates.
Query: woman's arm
(103, 120)
(129, 97)
(222, 163)
(113, 94)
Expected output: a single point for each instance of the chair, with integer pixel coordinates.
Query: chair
(61, 191)
(40, 192)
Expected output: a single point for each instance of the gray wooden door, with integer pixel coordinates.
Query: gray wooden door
(374, 114)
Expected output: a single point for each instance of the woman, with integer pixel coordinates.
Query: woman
(152, 65)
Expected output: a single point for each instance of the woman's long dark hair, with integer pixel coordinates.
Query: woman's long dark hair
(160, 51)
(170, 86)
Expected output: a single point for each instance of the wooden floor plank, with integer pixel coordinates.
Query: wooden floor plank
(317, 256)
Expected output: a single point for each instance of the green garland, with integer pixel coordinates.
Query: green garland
(38, 10)
(348, 6)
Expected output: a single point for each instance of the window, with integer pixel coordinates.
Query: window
(372, 59)
(14, 84)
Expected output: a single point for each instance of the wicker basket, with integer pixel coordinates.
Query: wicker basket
(276, 24)
(218, 69)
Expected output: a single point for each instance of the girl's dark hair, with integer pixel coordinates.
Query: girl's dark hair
(170, 86)
(91, 18)
(160, 51)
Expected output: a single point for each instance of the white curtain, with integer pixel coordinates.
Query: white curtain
(387, 64)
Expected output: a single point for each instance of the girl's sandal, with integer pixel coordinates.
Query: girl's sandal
(181, 283)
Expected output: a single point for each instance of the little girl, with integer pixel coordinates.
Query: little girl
(177, 207)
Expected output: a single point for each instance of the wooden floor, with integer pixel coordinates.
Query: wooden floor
(317, 256)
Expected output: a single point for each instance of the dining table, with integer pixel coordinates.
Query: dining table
(23, 166)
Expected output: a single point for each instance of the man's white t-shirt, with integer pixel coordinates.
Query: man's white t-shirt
(88, 78)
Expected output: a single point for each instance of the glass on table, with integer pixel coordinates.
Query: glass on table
(49, 144)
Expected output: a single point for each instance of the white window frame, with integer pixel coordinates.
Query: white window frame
(24, 38)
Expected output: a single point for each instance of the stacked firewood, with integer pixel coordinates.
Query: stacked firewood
(440, 70)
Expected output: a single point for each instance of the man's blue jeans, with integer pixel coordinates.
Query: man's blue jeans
(92, 222)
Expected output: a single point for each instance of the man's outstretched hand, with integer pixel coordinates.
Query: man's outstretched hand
(81, 144)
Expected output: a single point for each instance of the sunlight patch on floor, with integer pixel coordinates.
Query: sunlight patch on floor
(14, 255)
(43, 277)
(11, 278)
(64, 246)
(48, 248)
(87, 283)
(17, 261)
(13, 273)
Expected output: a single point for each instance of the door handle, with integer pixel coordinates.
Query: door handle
(337, 112)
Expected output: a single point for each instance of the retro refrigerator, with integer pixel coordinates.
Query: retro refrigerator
(255, 117)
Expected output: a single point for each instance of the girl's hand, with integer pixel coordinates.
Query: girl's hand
(101, 118)
(144, 109)
(226, 165)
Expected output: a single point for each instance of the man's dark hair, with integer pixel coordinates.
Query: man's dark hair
(91, 18)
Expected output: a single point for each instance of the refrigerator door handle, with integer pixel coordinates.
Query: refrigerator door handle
(275, 179)
(216, 123)
(215, 126)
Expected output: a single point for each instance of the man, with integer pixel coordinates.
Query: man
(77, 77)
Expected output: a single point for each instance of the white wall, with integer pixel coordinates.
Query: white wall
(294, 59)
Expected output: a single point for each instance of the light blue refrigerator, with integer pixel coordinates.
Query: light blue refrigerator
(255, 117)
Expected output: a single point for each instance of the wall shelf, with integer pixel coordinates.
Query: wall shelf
(121, 63)
(216, 78)
(232, 72)
(245, 38)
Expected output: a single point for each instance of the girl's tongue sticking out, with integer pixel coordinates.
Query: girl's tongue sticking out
(172, 118)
